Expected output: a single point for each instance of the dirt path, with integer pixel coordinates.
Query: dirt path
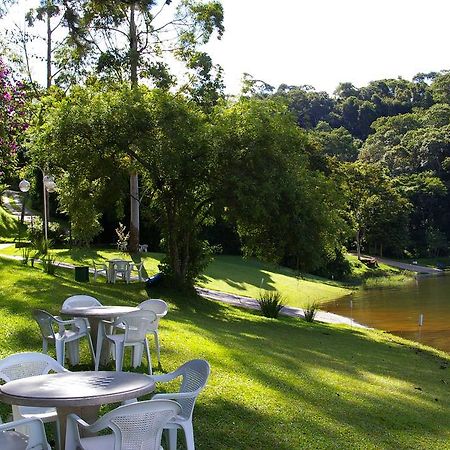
(410, 267)
(12, 201)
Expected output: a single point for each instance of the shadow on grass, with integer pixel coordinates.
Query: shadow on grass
(275, 383)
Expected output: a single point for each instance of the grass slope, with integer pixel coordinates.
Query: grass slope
(282, 384)
(232, 274)
(9, 226)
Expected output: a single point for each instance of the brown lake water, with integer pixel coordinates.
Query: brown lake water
(398, 310)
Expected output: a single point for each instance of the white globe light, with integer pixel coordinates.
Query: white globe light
(24, 186)
(50, 186)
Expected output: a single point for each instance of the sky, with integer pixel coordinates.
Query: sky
(324, 42)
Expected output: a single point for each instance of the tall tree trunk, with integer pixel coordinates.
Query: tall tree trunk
(358, 244)
(49, 48)
(133, 245)
(134, 179)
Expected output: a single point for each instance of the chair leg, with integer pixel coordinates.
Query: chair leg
(172, 435)
(119, 349)
(138, 350)
(149, 358)
(60, 352)
(98, 352)
(91, 347)
(73, 349)
(189, 435)
(158, 356)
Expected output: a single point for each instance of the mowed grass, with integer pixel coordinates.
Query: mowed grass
(232, 274)
(9, 226)
(275, 384)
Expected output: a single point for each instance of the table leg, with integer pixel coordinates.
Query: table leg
(106, 348)
(87, 413)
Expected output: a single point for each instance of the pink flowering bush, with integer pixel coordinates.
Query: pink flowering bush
(13, 119)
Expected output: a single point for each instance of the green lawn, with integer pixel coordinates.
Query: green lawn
(9, 226)
(232, 274)
(275, 384)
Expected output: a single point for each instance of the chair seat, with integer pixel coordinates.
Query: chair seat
(46, 414)
(98, 443)
(12, 440)
(69, 335)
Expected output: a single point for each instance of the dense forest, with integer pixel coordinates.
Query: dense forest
(289, 175)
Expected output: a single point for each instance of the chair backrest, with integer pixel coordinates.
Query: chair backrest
(136, 324)
(30, 364)
(13, 440)
(138, 425)
(195, 374)
(45, 321)
(80, 301)
(158, 306)
(121, 265)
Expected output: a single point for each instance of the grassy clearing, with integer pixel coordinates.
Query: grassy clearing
(9, 226)
(282, 384)
(383, 276)
(236, 275)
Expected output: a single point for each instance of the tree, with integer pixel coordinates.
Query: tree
(247, 162)
(13, 119)
(376, 210)
(337, 142)
(128, 40)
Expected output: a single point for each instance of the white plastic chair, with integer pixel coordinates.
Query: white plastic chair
(23, 365)
(80, 301)
(194, 375)
(134, 426)
(12, 439)
(53, 328)
(160, 308)
(121, 268)
(137, 267)
(127, 331)
(100, 269)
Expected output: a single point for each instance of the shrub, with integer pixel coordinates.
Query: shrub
(48, 264)
(26, 252)
(310, 311)
(270, 303)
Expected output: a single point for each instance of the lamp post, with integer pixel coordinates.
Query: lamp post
(48, 186)
(24, 187)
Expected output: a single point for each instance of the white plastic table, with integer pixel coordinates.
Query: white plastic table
(81, 393)
(111, 268)
(95, 314)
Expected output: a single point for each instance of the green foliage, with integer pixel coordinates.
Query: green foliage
(270, 303)
(376, 210)
(277, 221)
(49, 264)
(310, 311)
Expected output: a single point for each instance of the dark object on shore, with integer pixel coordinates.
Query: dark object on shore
(370, 262)
(441, 265)
(154, 280)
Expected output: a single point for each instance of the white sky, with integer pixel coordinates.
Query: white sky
(324, 42)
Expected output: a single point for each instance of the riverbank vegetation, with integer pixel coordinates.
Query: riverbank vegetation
(279, 383)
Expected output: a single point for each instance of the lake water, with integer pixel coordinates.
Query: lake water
(398, 310)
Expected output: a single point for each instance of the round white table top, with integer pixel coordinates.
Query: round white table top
(76, 389)
(98, 312)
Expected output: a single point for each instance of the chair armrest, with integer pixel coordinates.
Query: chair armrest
(175, 395)
(165, 377)
(17, 423)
